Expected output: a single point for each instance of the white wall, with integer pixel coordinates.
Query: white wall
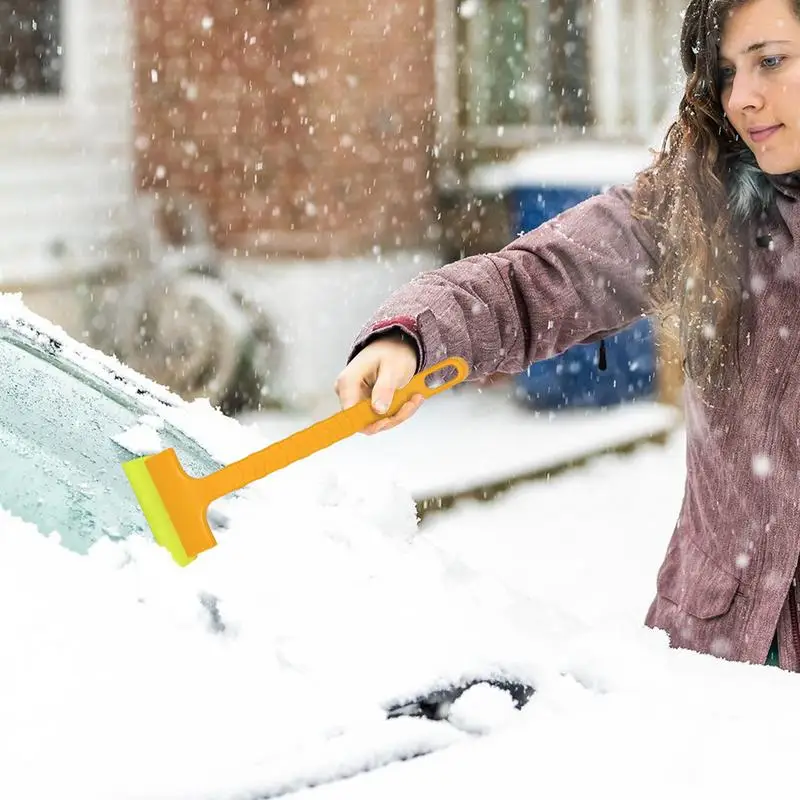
(66, 162)
(315, 309)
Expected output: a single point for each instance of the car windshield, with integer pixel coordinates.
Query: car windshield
(60, 467)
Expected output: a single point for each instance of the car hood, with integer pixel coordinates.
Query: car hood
(268, 664)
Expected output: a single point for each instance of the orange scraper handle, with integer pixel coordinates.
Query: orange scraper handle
(325, 433)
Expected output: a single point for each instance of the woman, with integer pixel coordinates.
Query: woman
(707, 235)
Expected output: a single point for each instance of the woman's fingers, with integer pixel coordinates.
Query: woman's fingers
(351, 389)
(386, 384)
(376, 373)
(405, 412)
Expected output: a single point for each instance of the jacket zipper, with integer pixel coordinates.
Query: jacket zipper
(793, 614)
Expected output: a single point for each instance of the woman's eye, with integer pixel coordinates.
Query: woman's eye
(771, 62)
(726, 75)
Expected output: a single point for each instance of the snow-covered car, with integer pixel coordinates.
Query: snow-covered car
(322, 638)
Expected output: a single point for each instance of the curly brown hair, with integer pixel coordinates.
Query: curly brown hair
(685, 193)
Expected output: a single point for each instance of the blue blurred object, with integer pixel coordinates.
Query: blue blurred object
(575, 378)
(533, 205)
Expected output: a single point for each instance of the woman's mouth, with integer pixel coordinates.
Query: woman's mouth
(762, 134)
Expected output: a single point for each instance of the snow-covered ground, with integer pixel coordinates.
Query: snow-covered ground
(471, 437)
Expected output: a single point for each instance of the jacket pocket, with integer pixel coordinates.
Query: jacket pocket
(693, 582)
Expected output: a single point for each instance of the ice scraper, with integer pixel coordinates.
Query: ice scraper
(176, 504)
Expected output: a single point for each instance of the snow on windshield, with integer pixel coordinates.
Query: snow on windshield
(143, 438)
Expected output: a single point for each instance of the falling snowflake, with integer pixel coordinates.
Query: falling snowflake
(468, 9)
(758, 283)
(709, 331)
(762, 465)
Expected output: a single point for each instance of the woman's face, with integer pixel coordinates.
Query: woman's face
(760, 81)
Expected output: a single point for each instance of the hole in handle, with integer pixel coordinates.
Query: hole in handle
(439, 378)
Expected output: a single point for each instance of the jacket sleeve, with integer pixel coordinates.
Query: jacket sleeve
(574, 279)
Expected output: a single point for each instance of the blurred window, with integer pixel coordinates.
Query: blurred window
(30, 47)
(526, 62)
(555, 68)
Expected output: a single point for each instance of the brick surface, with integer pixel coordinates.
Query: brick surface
(304, 125)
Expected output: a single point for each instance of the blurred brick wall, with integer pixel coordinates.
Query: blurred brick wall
(305, 126)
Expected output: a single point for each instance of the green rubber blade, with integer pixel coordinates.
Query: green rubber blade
(154, 510)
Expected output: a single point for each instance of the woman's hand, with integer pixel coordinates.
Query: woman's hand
(377, 372)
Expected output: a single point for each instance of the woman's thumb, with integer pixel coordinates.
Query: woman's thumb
(383, 391)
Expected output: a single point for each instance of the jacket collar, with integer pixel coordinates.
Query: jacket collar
(751, 191)
(788, 184)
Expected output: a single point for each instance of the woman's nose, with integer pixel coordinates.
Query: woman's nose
(746, 93)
